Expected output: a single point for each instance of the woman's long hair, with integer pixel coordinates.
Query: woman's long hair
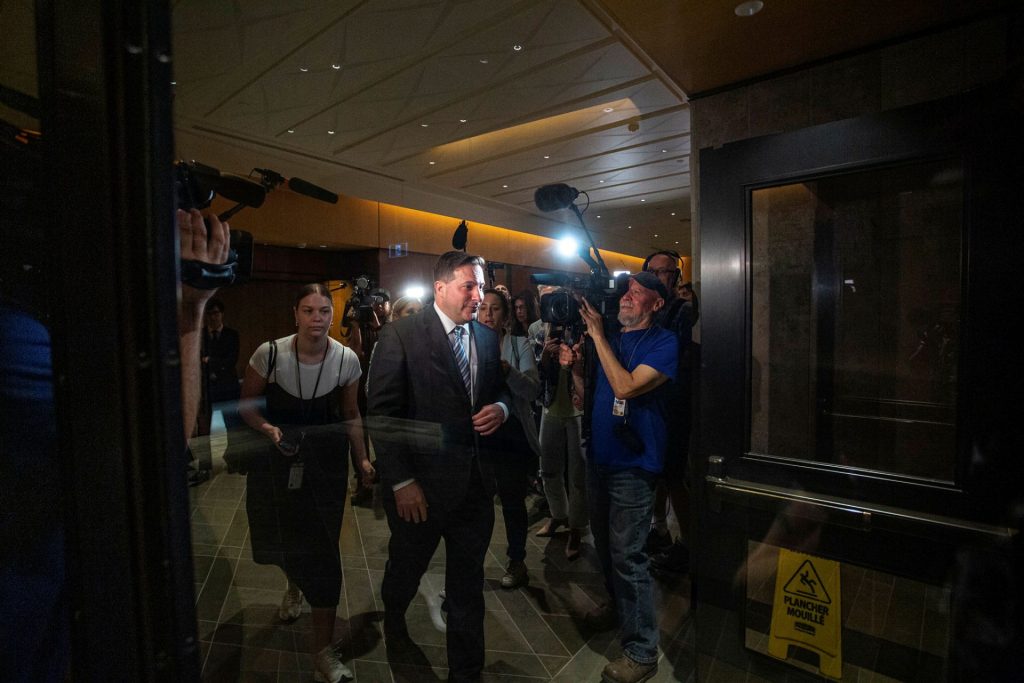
(529, 298)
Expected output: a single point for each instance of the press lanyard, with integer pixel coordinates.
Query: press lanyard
(633, 352)
(619, 404)
(306, 414)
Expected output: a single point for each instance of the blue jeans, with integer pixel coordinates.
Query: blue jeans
(621, 502)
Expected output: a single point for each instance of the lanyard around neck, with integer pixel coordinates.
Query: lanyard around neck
(298, 374)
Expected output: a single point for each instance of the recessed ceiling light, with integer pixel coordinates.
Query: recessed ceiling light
(643, 200)
(663, 151)
(330, 132)
(291, 130)
(598, 215)
(600, 181)
(547, 156)
(505, 186)
(335, 66)
(483, 61)
(432, 163)
(655, 234)
(748, 9)
(174, 82)
(629, 227)
(677, 241)
(608, 110)
(323, 246)
(462, 120)
(517, 47)
(424, 125)
(673, 213)
(303, 69)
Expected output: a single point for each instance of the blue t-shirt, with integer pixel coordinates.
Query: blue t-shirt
(655, 347)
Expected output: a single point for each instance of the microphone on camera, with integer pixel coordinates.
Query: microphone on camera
(310, 190)
(272, 179)
(555, 197)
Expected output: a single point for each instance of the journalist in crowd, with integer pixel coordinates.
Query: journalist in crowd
(625, 456)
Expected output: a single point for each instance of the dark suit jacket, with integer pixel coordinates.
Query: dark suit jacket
(220, 369)
(418, 410)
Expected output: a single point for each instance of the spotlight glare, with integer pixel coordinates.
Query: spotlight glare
(568, 246)
(416, 291)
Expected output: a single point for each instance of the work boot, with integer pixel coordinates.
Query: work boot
(626, 670)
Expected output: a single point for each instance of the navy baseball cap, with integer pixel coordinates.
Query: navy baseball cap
(650, 281)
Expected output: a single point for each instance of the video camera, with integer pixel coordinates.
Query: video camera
(601, 289)
(195, 186)
(361, 303)
(562, 309)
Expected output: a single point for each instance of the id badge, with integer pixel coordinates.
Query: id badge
(619, 407)
(295, 477)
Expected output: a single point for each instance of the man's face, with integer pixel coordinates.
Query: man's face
(460, 297)
(638, 305)
(665, 267)
(214, 318)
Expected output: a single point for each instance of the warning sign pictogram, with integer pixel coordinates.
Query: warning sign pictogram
(807, 583)
(806, 610)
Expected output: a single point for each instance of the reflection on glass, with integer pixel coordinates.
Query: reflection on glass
(855, 319)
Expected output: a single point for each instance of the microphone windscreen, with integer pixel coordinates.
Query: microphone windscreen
(310, 190)
(241, 190)
(554, 197)
(460, 237)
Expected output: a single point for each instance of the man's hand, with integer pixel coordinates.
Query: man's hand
(367, 473)
(595, 326)
(487, 421)
(567, 356)
(196, 245)
(411, 504)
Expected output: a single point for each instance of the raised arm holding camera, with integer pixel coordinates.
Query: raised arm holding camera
(625, 456)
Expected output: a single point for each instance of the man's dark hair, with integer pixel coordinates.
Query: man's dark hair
(214, 304)
(450, 261)
(382, 292)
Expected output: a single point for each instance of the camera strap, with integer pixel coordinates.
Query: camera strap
(201, 275)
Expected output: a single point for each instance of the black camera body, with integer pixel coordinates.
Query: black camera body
(195, 186)
(562, 309)
(360, 305)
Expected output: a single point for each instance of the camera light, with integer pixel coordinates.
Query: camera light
(415, 291)
(568, 246)
(619, 272)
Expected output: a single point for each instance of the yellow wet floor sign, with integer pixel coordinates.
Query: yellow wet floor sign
(806, 611)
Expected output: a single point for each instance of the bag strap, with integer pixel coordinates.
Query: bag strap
(273, 359)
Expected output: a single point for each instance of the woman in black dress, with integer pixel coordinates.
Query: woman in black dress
(296, 489)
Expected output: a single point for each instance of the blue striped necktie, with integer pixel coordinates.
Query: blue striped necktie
(461, 358)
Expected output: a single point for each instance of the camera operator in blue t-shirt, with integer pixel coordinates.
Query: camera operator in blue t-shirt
(625, 456)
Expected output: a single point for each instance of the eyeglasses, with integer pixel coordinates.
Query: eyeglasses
(663, 271)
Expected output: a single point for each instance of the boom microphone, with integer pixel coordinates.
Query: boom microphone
(310, 190)
(555, 197)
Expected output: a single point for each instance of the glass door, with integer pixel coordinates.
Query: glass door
(851, 476)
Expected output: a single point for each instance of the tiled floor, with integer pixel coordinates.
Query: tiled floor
(532, 634)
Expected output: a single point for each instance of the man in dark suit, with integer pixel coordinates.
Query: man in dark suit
(219, 353)
(435, 392)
